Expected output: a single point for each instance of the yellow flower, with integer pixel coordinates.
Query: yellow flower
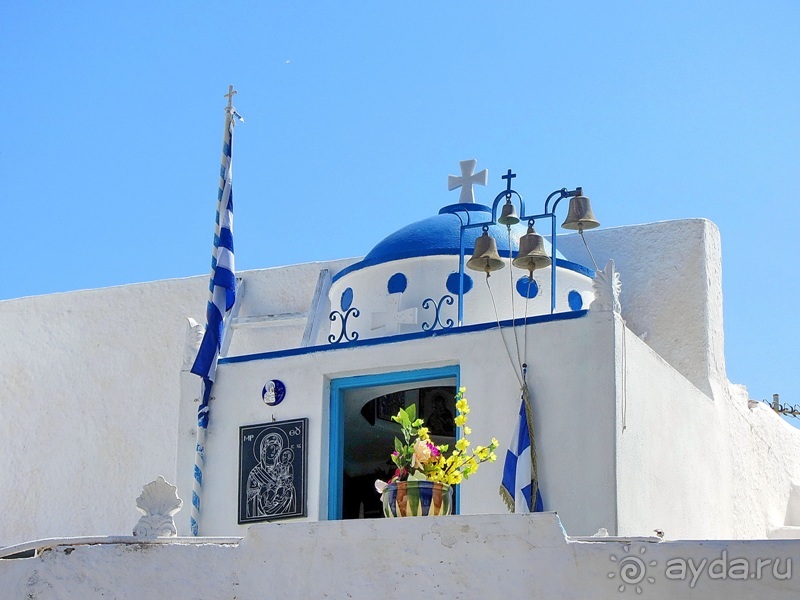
(467, 430)
(462, 444)
(460, 420)
(422, 432)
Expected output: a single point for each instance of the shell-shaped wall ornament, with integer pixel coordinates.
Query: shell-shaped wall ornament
(191, 343)
(607, 288)
(158, 502)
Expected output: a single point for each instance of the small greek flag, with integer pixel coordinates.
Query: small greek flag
(520, 478)
(222, 285)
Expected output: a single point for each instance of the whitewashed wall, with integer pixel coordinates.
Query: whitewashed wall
(484, 556)
(673, 453)
(88, 401)
(91, 389)
(671, 290)
(571, 372)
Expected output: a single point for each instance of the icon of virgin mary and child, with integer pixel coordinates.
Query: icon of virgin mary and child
(270, 484)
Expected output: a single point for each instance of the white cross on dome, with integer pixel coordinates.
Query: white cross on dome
(468, 179)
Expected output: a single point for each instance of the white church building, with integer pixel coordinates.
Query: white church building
(647, 454)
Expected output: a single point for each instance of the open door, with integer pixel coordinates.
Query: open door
(362, 432)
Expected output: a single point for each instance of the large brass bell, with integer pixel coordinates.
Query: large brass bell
(580, 215)
(532, 254)
(485, 257)
(509, 214)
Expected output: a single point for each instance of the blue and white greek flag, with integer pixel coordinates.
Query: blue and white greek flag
(520, 478)
(222, 284)
(222, 295)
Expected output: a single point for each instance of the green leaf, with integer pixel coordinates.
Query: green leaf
(411, 412)
(405, 423)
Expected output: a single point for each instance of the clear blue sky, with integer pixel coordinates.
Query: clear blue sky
(357, 111)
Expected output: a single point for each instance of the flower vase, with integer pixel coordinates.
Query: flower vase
(417, 499)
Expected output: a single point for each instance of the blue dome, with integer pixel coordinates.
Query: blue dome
(439, 235)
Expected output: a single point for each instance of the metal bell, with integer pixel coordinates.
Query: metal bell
(485, 257)
(532, 254)
(580, 215)
(509, 214)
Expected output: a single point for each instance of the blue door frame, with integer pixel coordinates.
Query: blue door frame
(336, 449)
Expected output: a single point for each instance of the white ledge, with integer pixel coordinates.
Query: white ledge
(38, 546)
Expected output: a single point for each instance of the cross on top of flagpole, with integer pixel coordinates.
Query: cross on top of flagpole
(231, 93)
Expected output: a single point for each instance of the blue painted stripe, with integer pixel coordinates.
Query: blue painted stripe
(417, 335)
(198, 475)
(195, 500)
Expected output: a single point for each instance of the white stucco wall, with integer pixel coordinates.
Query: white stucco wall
(484, 556)
(571, 373)
(88, 402)
(91, 395)
(673, 452)
(90, 389)
(671, 290)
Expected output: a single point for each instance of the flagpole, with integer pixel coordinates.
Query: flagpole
(203, 409)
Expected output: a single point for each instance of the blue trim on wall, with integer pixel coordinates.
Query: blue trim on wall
(417, 335)
(336, 440)
(573, 266)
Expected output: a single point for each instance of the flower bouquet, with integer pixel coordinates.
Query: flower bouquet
(421, 485)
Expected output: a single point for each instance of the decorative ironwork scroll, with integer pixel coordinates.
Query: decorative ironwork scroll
(430, 302)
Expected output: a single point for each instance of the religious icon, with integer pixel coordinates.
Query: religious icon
(272, 471)
(273, 393)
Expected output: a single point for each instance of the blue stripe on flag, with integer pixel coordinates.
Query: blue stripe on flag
(519, 471)
(226, 238)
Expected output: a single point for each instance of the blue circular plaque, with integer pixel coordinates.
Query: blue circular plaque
(273, 392)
